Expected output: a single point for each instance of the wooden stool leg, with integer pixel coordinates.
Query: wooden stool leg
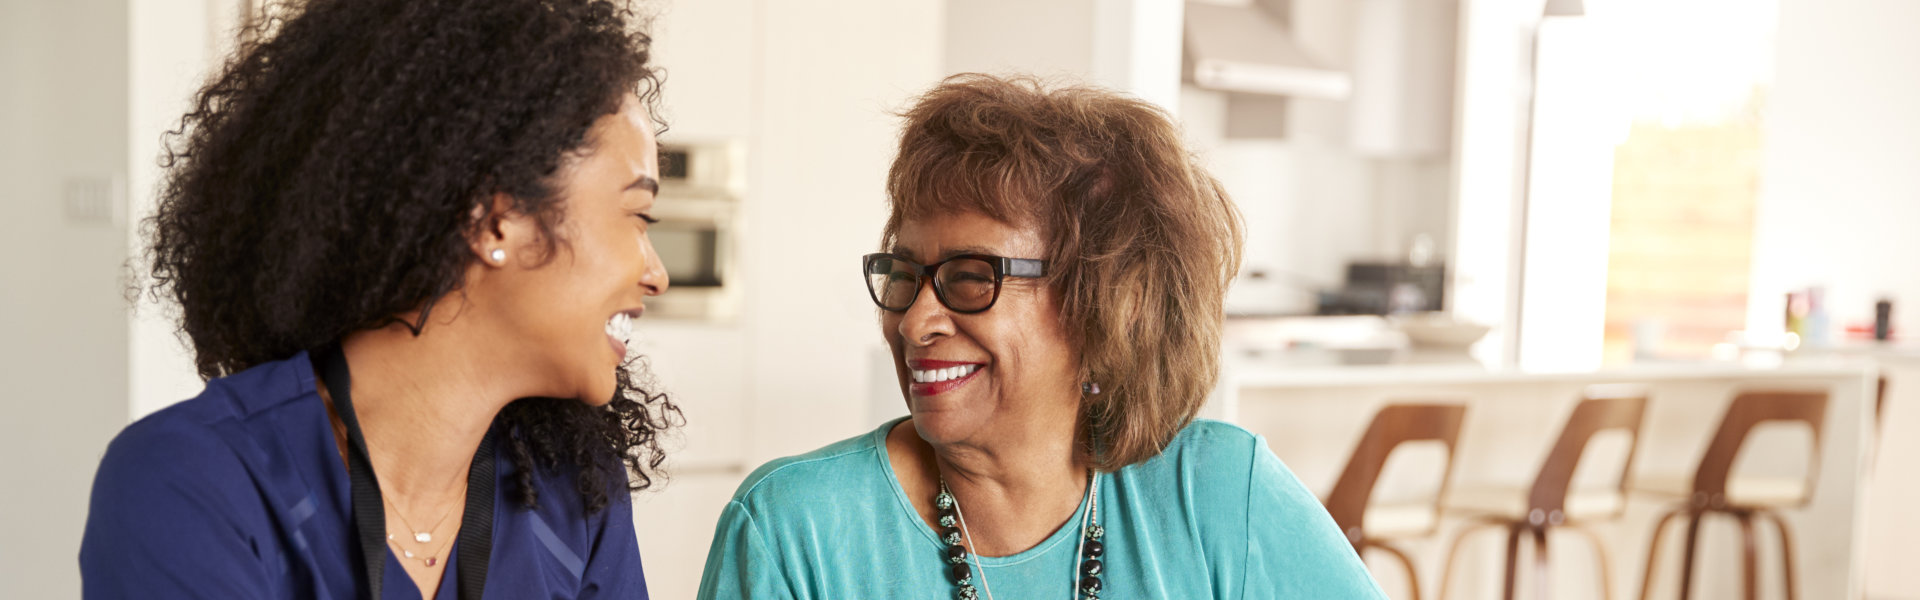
(1749, 558)
(1446, 571)
(1686, 565)
(1600, 552)
(1513, 558)
(1542, 573)
(1653, 552)
(1786, 550)
(1413, 577)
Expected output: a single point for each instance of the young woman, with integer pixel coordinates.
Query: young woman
(408, 239)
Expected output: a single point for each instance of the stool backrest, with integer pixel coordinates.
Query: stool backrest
(1591, 416)
(1394, 425)
(1749, 409)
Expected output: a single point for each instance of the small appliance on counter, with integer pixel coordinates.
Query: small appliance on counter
(1387, 288)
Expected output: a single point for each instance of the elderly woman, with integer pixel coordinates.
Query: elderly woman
(1051, 292)
(408, 239)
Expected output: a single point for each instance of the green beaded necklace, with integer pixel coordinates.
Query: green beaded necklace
(953, 532)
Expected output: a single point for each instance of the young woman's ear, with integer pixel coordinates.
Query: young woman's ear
(500, 233)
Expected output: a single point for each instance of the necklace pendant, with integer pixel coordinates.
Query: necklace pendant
(423, 537)
(407, 553)
(431, 560)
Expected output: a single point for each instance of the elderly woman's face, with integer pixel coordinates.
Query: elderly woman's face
(966, 376)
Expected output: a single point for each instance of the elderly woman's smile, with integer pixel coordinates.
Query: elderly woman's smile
(934, 376)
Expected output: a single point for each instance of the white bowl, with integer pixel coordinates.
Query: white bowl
(1440, 332)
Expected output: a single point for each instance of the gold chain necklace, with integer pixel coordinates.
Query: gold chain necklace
(419, 536)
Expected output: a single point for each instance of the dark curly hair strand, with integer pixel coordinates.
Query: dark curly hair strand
(325, 181)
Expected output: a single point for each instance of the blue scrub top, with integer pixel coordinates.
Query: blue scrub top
(1215, 516)
(241, 493)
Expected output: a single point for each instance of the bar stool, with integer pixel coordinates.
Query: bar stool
(1372, 527)
(1550, 502)
(1880, 404)
(1713, 490)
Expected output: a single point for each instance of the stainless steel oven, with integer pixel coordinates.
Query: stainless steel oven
(701, 185)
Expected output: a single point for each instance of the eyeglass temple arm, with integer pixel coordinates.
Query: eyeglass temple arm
(1024, 267)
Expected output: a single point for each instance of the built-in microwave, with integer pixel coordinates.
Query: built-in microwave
(701, 186)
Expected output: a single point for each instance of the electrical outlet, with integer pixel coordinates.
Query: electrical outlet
(94, 200)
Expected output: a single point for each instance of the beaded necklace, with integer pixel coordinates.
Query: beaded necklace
(953, 532)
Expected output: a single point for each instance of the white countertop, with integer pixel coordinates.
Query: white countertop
(1256, 373)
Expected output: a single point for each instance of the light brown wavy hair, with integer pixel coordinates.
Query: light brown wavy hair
(1142, 241)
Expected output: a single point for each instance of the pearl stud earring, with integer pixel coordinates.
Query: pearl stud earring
(498, 255)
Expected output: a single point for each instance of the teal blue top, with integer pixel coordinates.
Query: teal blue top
(1215, 516)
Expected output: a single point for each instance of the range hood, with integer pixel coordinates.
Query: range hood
(1247, 48)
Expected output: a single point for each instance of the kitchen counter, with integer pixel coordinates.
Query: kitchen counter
(1244, 373)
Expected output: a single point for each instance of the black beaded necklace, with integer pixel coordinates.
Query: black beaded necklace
(953, 531)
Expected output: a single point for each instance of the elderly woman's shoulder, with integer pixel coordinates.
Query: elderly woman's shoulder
(1219, 453)
(1221, 467)
(851, 466)
(1216, 439)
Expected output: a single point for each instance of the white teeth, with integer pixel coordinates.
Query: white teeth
(620, 327)
(947, 374)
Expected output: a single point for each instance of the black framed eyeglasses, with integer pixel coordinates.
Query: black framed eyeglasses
(967, 284)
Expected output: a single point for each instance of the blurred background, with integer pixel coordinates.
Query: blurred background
(1502, 206)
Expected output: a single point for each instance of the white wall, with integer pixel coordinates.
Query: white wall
(63, 330)
(1490, 120)
(1137, 47)
(825, 135)
(1127, 45)
(172, 47)
(1839, 191)
(707, 50)
(92, 85)
(1839, 203)
(1044, 38)
(1569, 200)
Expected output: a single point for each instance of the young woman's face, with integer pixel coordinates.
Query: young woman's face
(571, 316)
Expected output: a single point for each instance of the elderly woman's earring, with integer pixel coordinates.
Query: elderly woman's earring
(498, 255)
(1089, 388)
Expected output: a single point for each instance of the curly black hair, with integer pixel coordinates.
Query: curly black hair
(325, 181)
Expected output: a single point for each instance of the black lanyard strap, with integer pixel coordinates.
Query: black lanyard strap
(476, 533)
(369, 510)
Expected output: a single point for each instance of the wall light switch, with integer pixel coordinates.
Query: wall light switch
(94, 200)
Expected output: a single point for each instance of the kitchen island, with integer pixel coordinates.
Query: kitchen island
(1313, 415)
